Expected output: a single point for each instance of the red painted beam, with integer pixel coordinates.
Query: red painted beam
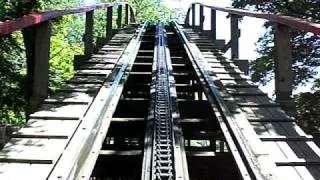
(286, 20)
(34, 19)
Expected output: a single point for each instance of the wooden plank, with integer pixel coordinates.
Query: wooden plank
(97, 66)
(225, 70)
(244, 91)
(254, 100)
(32, 150)
(288, 172)
(231, 76)
(80, 87)
(87, 80)
(47, 129)
(102, 60)
(128, 119)
(15, 171)
(193, 120)
(93, 72)
(264, 113)
(286, 138)
(299, 162)
(60, 97)
(201, 153)
(120, 153)
(259, 119)
(49, 111)
(251, 104)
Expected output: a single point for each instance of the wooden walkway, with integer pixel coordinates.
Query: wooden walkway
(293, 151)
(34, 150)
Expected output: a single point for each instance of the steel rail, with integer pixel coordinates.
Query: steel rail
(10, 26)
(252, 159)
(164, 155)
(78, 159)
(286, 20)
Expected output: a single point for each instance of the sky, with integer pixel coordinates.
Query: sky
(251, 30)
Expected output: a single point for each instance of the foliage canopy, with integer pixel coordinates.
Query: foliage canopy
(305, 52)
(66, 41)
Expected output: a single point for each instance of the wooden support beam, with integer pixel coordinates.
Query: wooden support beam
(214, 24)
(243, 65)
(37, 43)
(132, 18)
(109, 23)
(193, 16)
(187, 20)
(119, 17)
(283, 69)
(126, 19)
(235, 34)
(88, 36)
(201, 14)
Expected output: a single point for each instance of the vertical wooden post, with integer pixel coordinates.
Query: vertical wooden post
(201, 14)
(126, 20)
(88, 36)
(109, 23)
(283, 69)
(132, 19)
(119, 20)
(37, 43)
(187, 20)
(193, 16)
(214, 24)
(235, 34)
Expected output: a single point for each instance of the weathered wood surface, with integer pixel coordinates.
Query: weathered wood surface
(294, 152)
(36, 148)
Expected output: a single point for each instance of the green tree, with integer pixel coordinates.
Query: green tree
(305, 46)
(66, 41)
(305, 52)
